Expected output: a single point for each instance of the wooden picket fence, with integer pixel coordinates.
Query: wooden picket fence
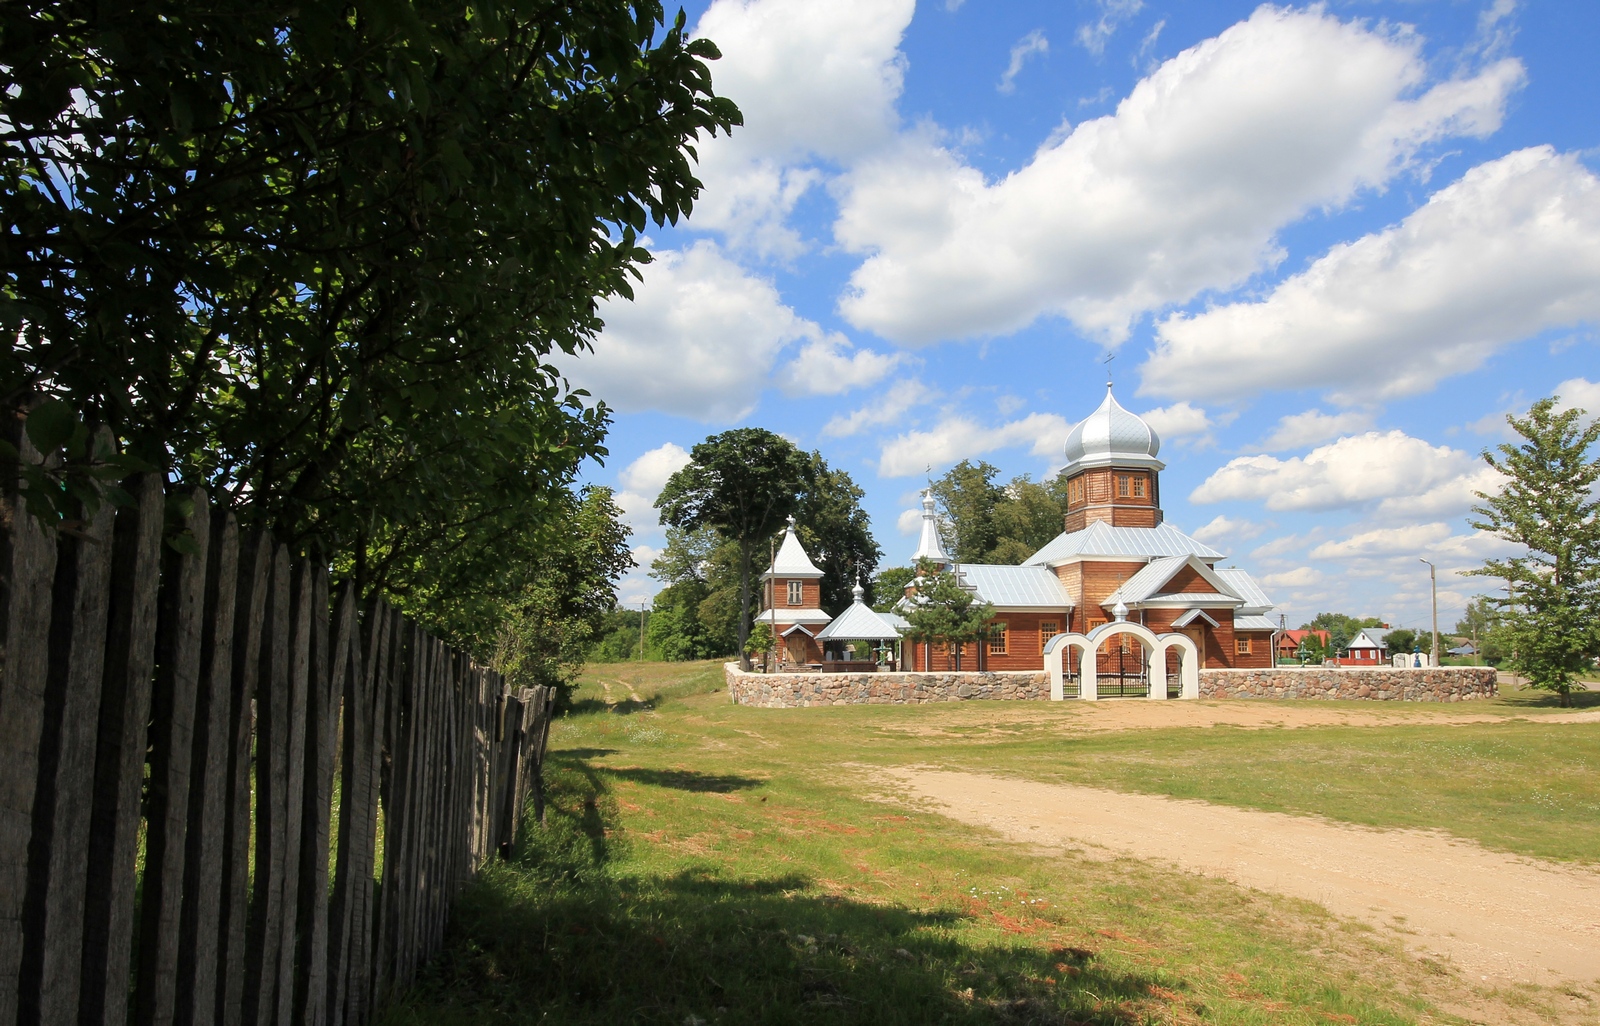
(227, 796)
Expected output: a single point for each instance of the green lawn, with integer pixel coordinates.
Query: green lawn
(706, 863)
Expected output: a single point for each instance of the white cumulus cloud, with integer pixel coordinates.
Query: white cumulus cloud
(958, 438)
(1299, 577)
(1182, 189)
(1352, 471)
(1226, 528)
(1580, 393)
(641, 481)
(1510, 250)
(1177, 420)
(816, 80)
(1385, 541)
(1298, 430)
(887, 408)
(700, 338)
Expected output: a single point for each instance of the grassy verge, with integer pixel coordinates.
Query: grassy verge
(706, 863)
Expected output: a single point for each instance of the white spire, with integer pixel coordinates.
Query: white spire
(931, 546)
(859, 592)
(1120, 611)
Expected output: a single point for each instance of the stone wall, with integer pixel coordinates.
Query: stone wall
(796, 690)
(1442, 684)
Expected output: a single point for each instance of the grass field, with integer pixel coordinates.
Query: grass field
(706, 863)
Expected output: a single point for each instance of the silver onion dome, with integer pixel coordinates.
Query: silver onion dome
(1111, 436)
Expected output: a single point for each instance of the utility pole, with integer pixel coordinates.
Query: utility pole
(1433, 580)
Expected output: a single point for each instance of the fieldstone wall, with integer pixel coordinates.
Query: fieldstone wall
(800, 690)
(1441, 684)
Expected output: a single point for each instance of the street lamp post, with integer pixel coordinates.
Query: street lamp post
(1433, 580)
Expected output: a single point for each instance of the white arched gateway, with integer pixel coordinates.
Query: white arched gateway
(1155, 646)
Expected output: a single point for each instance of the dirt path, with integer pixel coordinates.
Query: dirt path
(1495, 915)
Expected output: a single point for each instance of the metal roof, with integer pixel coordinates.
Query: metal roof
(1371, 640)
(791, 560)
(782, 615)
(1192, 615)
(1101, 539)
(1014, 587)
(1146, 586)
(1111, 435)
(1240, 582)
(1254, 623)
(860, 623)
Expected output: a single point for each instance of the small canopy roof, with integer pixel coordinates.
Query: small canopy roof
(792, 560)
(862, 623)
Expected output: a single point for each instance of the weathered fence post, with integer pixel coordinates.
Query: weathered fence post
(119, 761)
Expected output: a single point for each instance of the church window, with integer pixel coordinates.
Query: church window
(1047, 630)
(1122, 485)
(796, 595)
(1075, 491)
(1093, 623)
(1138, 487)
(997, 640)
(1241, 646)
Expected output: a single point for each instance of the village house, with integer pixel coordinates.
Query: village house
(1115, 555)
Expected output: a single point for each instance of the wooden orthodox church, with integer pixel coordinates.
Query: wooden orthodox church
(1115, 559)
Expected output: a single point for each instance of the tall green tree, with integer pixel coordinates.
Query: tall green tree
(995, 523)
(316, 254)
(1550, 621)
(743, 484)
(943, 612)
(837, 533)
(568, 591)
(889, 587)
(967, 495)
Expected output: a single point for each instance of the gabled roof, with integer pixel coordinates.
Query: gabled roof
(1367, 638)
(1101, 539)
(1191, 616)
(791, 560)
(784, 614)
(1148, 585)
(861, 623)
(1242, 584)
(1253, 623)
(1015, 587)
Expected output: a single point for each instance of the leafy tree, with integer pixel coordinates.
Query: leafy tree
(837, 533)
(1311, 649)
(1550, 623)
(618, 639)
(998, 523)
(1403, 639)
(742, 483)
(1478, 622)
(1341, 628)
(567, 594)
(760, 639)
(889, 587)
(675, 630)
(942, 611)
(315, 255)
(967, 496)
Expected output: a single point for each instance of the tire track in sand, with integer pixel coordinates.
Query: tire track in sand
(1494, 914)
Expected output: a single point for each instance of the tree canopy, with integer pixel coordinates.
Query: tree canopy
(316, 255)
(943, 612)
(743, 484)
(994, 523)
(1341, 627)
(702, 565)
(1549, 507)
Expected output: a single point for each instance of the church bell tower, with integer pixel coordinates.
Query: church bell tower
(1112, 473)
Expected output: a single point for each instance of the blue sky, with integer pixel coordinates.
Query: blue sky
(1329, 248)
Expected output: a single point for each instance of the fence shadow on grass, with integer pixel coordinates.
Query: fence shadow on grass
(684, 780)
(560, 935)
